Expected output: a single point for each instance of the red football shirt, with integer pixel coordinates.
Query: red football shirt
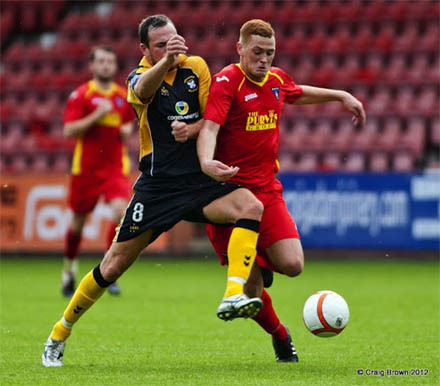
(249, 115)
(100, 150)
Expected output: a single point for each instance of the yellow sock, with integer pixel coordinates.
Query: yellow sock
(242, 249)
(87, 293)
(60, 331)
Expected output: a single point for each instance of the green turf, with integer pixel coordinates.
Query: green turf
(163, 329)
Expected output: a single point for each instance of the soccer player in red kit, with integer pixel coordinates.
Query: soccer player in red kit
(239, 143)
(98, 115)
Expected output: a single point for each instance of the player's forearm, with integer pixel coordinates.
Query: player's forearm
(313, 95)
(150, 80)
(80, 126)
(207, 141)
(194, 128)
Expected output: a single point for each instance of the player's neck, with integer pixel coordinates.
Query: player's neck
(104, 86)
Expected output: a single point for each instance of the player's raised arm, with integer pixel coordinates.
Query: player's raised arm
(206, 143)
(313, 95)
(173, 45)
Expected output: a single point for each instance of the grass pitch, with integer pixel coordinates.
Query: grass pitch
(163, 329)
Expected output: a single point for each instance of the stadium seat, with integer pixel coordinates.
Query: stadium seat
(61, 163)
(435, 131)
(19, 164)
(402, 161)
(365, 138)
(379, 162)
(355, 162)
(308, 162)
(331, 161)
(388, 138)
(39, 163)
(287, 163)
(414, 138)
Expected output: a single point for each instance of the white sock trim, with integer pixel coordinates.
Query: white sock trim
(237, 279)
(66, 323)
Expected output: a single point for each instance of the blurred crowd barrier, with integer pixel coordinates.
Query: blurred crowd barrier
(398, 211)
(34, 217)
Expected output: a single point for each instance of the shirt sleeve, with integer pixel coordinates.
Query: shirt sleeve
(290, 89)
(131, 95)
(75, 107)
(204, 84)
(220, 99)
(129, 114)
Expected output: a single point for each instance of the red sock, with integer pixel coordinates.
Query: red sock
(72, 243)
(111, 233)
(268, 319)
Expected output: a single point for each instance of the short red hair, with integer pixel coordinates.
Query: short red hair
(255, 27)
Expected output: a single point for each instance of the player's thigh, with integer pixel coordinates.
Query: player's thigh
(118, 206)
(287, 255)
(122, 255)
(238, 204)
(84, 193)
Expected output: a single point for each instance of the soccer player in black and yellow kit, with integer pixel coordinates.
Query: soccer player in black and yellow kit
(168, 91)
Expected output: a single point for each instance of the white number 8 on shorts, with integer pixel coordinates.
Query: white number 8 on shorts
(138, 212)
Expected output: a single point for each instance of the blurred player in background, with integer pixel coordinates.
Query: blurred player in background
(241, 128)
(168, 91)
(98, 115)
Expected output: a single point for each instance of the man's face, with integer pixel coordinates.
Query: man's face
(158, 39)
(256, 56)
(104, 65)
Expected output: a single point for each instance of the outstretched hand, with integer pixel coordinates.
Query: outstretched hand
(218, 170)
(355, 107)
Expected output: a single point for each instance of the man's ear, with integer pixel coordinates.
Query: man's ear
(239, 48)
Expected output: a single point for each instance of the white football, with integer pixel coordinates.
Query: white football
(325, 313)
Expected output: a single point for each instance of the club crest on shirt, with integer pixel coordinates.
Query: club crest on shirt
(276, 92)
(119, 101)
(182, 107)
(191, 83)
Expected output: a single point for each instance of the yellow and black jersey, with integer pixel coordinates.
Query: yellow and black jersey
(181, 96)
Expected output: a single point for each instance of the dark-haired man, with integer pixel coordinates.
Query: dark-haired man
(241, 128)
(98, 115)
(168, 91)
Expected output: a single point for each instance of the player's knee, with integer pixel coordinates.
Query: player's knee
(294, 267)
(252, 208)
(112, 268)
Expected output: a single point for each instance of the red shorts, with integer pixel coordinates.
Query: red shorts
(276, 224)
(86, 190)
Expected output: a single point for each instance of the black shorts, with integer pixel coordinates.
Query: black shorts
(159, 203)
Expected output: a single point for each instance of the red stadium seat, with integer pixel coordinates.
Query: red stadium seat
(387, 140)
(19, 164)
(307, 162)
(414, 138)
(365, 138)
(355, 162)
(435, 132)
(379, 162)
(39, 163)
(403, 161)
(61, 163)
(287, 163)
(331, 161)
